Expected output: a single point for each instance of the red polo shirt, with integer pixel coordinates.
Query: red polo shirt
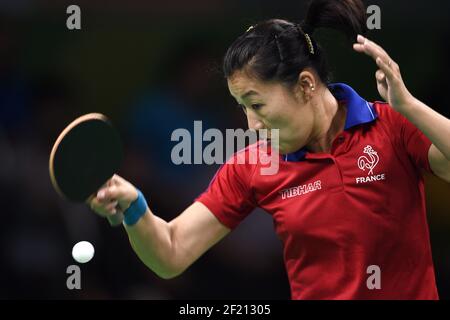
(341, 215)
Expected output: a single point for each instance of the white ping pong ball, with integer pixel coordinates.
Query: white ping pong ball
(83, 251)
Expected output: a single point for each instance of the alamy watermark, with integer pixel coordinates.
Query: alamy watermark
(373, 282)
(73, 21)
(74, 279)
(374, 17)
(227, 148)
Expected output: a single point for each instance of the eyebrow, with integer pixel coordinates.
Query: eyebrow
(249, 93)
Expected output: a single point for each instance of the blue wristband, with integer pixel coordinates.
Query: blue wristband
(136, 210)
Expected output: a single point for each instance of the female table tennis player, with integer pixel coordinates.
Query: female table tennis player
(348, 194)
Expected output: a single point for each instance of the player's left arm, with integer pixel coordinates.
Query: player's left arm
(392, 89)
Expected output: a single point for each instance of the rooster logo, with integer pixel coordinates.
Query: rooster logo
(368, 163)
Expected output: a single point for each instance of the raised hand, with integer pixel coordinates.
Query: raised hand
(390, 84)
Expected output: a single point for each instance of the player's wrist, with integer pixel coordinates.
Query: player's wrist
(136, 209)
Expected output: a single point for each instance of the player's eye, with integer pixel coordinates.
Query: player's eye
(257, 106)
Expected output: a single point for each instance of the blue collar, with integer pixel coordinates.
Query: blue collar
(359, 111)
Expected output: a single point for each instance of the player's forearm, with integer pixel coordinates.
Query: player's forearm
(434, 125)
(151, 239)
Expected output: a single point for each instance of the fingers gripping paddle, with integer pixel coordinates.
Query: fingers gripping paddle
(84, 157)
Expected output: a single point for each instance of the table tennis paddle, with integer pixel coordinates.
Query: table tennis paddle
(87, 153)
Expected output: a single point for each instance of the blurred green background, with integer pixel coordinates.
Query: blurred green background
(152, 67)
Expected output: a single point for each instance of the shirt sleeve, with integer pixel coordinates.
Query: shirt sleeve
(412, 139)
(417, 144)
(229, 195)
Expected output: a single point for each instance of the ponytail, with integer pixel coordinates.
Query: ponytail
(278, 50)
(348, 16)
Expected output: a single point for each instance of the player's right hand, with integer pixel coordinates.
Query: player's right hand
(115, 196)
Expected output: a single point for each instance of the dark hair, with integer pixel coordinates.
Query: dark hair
(278, 50)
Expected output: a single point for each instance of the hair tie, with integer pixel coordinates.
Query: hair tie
(249, 28)
(307, 38)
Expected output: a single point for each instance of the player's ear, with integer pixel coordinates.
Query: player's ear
(306, 85)
(115, 179)
(110, 182)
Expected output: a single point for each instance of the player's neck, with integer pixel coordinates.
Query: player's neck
(330, 121)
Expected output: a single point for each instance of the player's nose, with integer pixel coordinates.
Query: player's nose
(254, 122)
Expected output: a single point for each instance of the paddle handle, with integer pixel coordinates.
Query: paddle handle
(116, 220)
